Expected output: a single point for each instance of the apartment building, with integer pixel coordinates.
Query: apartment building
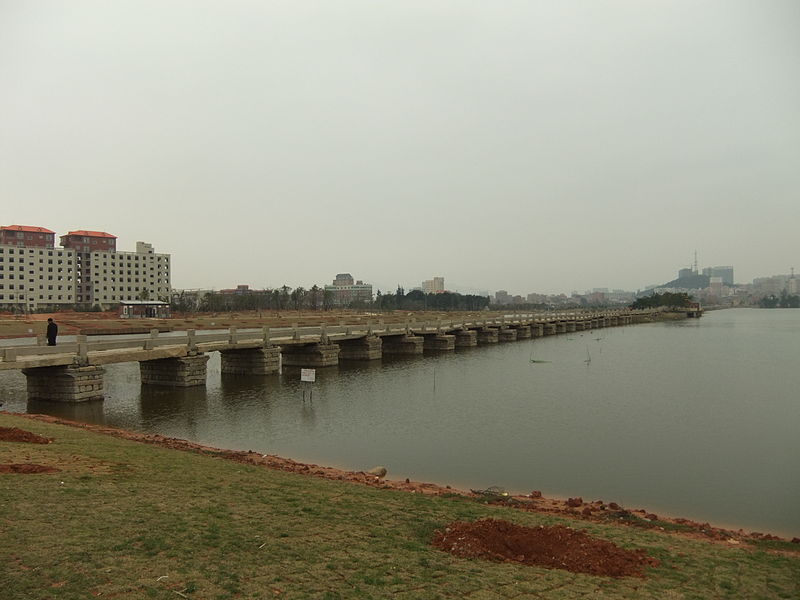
(87, 269)
(33, 273)
(108, 276)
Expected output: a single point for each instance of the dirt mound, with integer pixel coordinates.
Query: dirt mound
(14, 434)
(27, 468)
(556, 547)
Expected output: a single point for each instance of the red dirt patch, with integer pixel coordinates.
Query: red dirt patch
(27, 469)
(556, 547)
(15, 434)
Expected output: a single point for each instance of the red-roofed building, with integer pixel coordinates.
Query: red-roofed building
(84, 240)
(26, 235)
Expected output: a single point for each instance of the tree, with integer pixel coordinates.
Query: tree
(298, 296)
(313, 297)
(327, 299)
(283, 298)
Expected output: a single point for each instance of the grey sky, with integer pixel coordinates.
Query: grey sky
(527, 146)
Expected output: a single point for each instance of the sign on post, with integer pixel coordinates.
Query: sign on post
(309, 375)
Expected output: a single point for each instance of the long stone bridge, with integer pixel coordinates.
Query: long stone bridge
(73, 371)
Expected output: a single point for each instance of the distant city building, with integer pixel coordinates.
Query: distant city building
(726, 273)
(768, 286)
(239, 290)
(501, 297)
(344, 291)
(433, 286)
(537, 298)
(793, 285)
(343, 279)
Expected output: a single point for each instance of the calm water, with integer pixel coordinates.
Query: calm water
(698, 418)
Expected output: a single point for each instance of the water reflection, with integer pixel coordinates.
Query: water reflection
(83, 412)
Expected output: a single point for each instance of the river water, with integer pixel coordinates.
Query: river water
(697, 418)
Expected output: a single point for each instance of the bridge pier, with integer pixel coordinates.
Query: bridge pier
(367, 348)
(488, 336)
(439, 342)
(466, 338)
(310, 355)
(537, 330)
(183, 371)
(403, 344)
(561, 327)
(507, 335)
(550, 329)
(571, 326)
(69, 383)
(251, 361)
(523, 332)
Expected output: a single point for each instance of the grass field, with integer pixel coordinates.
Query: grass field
(128, 520)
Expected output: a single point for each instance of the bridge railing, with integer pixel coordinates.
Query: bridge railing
(266, 336)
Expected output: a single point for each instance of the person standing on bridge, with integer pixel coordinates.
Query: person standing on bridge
(52, 332)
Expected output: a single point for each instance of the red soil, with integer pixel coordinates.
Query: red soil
(14, 434)
(27, 469)
(556, 547)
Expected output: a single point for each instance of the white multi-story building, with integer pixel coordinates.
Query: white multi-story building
(141, 275)
(344, 291)
(36, 277)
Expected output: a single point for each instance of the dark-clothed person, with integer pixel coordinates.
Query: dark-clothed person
(52, 332)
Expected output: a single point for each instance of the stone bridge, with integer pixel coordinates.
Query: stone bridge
(73, 372)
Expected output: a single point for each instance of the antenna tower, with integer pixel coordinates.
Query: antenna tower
(695, 263)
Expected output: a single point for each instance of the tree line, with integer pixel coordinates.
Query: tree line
(785, 300)
(668, 299)
(317, 298)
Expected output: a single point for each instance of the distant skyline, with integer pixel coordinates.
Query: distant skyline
(527, 146)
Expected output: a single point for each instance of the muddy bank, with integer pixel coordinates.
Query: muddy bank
(575, 508)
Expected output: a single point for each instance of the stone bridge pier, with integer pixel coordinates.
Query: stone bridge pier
(314, 355)
(183, 371)
(439, 342)
(507, 334)
(71, 383)
(550, 329)
(488, 335)
(403, 344)
(466, 338)
(537, 330)
(251, 361)
(523, 332)
(369, 347)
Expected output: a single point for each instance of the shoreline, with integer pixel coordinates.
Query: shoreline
(574, 508)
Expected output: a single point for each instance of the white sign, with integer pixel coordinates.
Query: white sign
(309, 375)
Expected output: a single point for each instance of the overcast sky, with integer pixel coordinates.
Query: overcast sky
(534, 146)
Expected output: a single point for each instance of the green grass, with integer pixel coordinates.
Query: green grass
(137, 521)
